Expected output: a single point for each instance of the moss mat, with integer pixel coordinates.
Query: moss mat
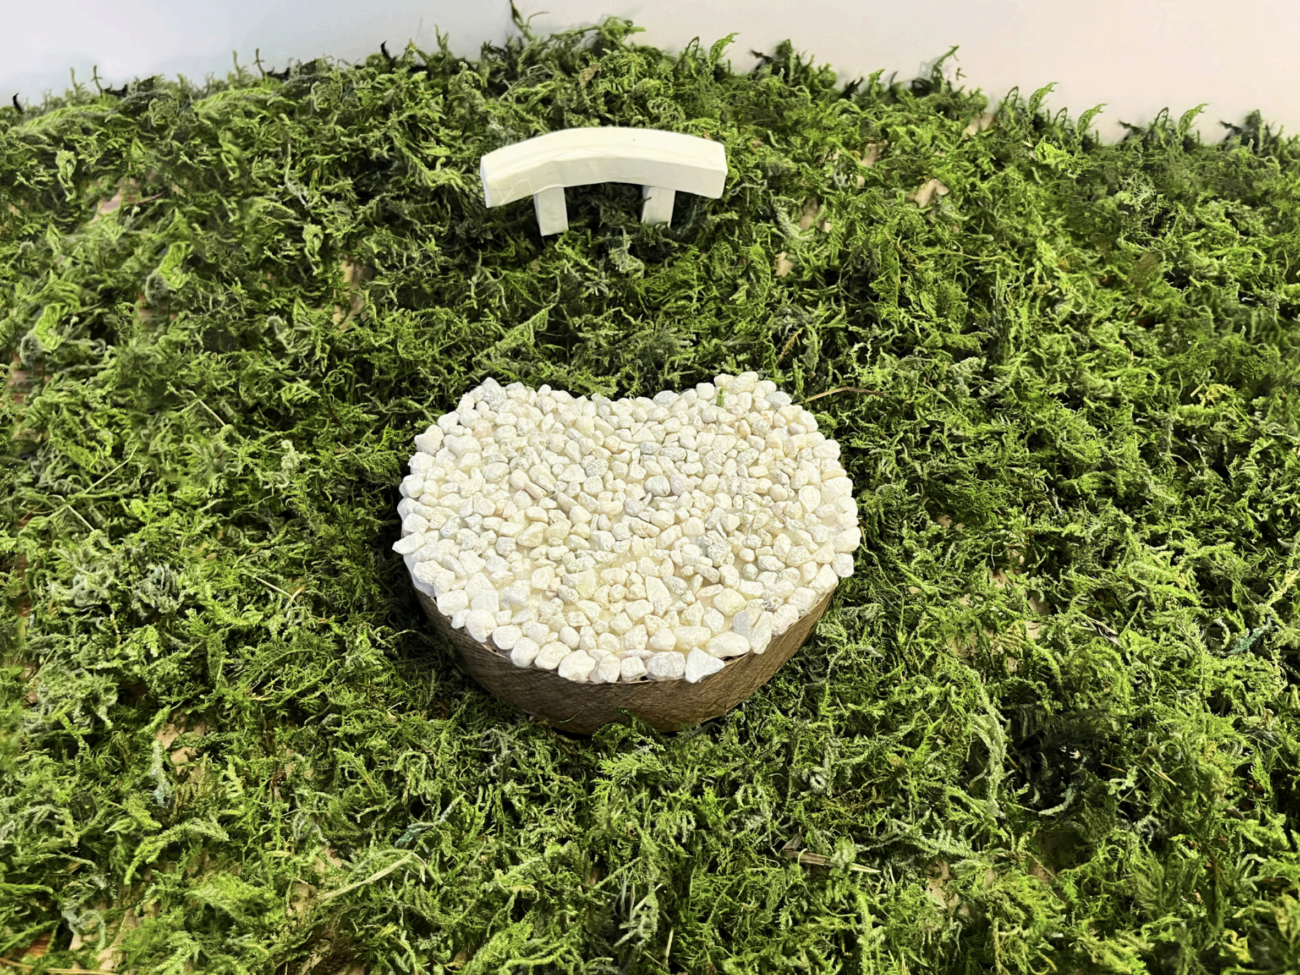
(1050, 725)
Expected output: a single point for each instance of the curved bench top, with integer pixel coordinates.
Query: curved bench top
(603, 154)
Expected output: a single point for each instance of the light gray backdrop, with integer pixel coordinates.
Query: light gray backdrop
(1138, 56)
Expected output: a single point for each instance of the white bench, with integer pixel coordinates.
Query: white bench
(663, 163)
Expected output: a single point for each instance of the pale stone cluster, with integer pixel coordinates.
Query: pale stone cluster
(620, 540)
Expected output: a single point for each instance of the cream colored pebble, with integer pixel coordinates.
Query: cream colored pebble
(668, 665)
(700, 664)
(576, 666)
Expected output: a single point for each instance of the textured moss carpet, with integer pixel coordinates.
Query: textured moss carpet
(1050, 725)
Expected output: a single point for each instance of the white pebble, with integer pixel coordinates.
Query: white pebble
(479, 623)
(690, 637)
(803, 599)
(505, 637)
(549, 657)
(450, 602)
(663, 639)
(666, 666)
(608, 669)
(825, 580)
(729, 602)
(635, 639)
(843, 565)
(729, 644)
(524, 652)
(408, 544)
(658, 595)
(847, 541)
(700, 664)
(577, 666)
(632, 668)
(783, 618)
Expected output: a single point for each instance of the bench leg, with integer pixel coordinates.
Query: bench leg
(552, 217)
(658, 205)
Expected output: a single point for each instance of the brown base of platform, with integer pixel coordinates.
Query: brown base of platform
(583, 708)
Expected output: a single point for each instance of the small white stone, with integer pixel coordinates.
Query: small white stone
(549, 657)
(783, 618)
(453, 600)
(658, 595)
(569, 636)
(669, 665)
(505, 637)
(700, 664)
(690, 637)
(759, 631)
(577, 667)
(729, 602)
(608, 669)
(843, 565)
(729, 644)
(798, 556)
(632, 668)
(803, 599)
(479, 623)
(414, 524)
(825, 580)
(658, 485)
(663, 639)
(408, 544)
(636, 638)
(848, 540)
(524, 652)
(487, 599)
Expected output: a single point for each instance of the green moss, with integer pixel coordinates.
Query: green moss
(1049, 725)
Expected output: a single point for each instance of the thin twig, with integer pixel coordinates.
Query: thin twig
(842, 389)
(199, 400)
(789, 345)
(1165, 777)
(792, 851)
(371, 879)
(269, 586)
(68, 504)
(79, 518)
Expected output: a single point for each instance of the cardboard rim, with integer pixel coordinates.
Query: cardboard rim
(581, 708)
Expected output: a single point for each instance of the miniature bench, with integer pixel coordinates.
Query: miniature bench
(663, 163)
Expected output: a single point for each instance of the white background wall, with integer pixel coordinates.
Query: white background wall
(1138, 56)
